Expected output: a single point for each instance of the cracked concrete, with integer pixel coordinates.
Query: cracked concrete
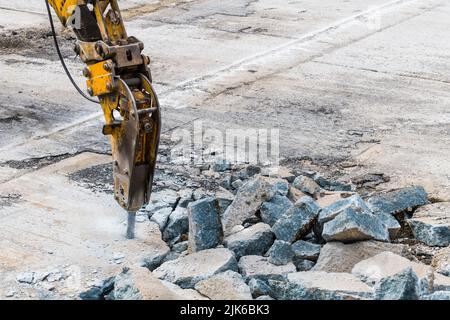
(359, 86)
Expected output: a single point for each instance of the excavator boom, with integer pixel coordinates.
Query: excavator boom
(118, 75)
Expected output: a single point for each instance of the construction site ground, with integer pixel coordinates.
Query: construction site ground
(355, 86)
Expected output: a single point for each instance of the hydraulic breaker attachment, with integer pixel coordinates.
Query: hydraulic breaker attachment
(117, 73)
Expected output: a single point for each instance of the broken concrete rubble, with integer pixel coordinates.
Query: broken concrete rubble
(184, 294)
(393, 226)
(162, 199)
(441, 261)
(259, 288)
(186, 196)
(280, 253)
(177, 225)
(221, 165)
(357, 204)
(205, 228)
(306, 185)
(260, 268)
(285, 238)
(195, 264)
(101, 290)
(388, 264)
(161, 216)
(228, 285)
(135, 283)
(438, 295)
(255, 240)
(272, 210)
(306, 250)
(397, 201)
(313, 285)
(354, 202)
(340, 257)
(294, 194)
(248, 201)
(351, 226)
(430, 224)
(297, 221)
(331, 185)
(224, 199)
(188, 270)
(281, 187)
(302, 264)
(403, 285)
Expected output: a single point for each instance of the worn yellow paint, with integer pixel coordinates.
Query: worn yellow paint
(100, 78)
(64, 8)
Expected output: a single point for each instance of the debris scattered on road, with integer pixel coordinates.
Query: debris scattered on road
(283, 236)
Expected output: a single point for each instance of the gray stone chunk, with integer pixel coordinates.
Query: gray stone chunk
(391, 223)
(200, 193)
(312, 285)
(188, 270)
(161, 216)
(280, 253)
(221, 165)
(340, 257)
(137, 283)
(185, 294)
(354, 202)
(249, 172)
(154, 260)
(25, 277)
(401, 286)
(255, 240)
(441, 261)
(306, 185)
(399, 200)
(180, 247)
(332, 185)
(297, 221)
(205, 229)
(162, 199)
(281, 187)
(248, 201)
(431, 224)
(237, 184)
(260, 268)
(351, 226)
(228, 285)
(265, 298)
(438, 295)
(172, 255)
(186, 196)
(306, 250)
(225, 182)
(303, 264)
(431, 235)
(224, 199)
(272, 210)
(99, 290)
(259, 288)
(387, 264)
(177, 225)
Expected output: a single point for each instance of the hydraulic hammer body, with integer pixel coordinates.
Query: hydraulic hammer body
(118, 74)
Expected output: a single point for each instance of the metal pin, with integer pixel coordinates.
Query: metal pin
(131, 224)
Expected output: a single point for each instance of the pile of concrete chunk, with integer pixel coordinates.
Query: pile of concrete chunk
(291, 237)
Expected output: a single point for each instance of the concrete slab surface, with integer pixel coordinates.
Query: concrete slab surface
(355, 85)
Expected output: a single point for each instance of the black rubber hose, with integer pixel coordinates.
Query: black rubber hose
(61, 58)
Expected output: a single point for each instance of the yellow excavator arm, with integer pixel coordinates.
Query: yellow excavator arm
(118, 74)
